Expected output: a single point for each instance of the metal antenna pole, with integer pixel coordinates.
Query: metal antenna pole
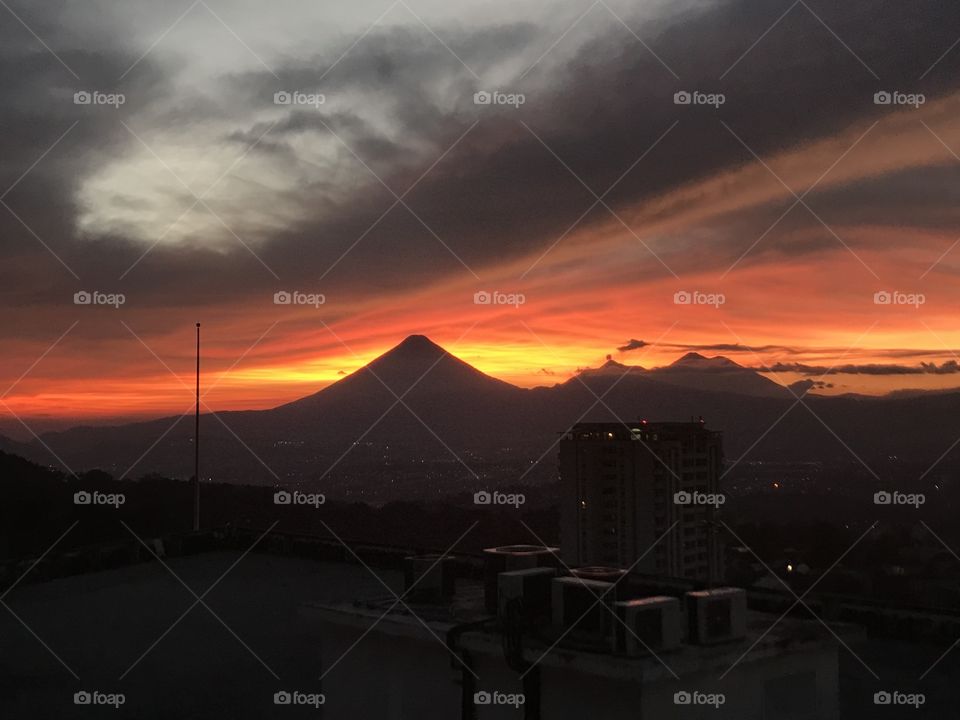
(196, 446)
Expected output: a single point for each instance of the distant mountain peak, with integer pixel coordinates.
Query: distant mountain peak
(417, 342)
(611, 363)
(417, 365)
(412, 350)
(417, 360)
(609, 367)
(696, 360)
(717, 373)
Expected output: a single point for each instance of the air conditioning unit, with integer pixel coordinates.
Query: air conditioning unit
(617, 576)
(513, 557)
(432, 577)
(531, 587)
(716, 616)
(653, 623)
(576, 604)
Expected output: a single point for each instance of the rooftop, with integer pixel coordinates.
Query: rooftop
(66, 632)
(591, 658)
(640, 430)
(136, 622)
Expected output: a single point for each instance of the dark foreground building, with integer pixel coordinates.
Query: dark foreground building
(304, 627)
(626, 486)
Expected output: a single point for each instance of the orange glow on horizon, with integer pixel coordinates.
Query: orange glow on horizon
(592, 292)
(523, 362)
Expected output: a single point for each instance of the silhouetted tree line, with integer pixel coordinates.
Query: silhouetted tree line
(39, 505)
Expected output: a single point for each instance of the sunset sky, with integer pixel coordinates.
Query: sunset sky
(598, 199)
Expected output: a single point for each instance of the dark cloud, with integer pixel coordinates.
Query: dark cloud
(950, 367)
(930, 194)
(633, 344)
(801, 387)
(500, 193)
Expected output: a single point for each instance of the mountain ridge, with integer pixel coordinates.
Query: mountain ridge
(418, 405)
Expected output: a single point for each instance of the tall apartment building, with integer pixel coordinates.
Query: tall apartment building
(625, 486)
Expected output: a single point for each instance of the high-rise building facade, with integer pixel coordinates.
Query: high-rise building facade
(623, 486)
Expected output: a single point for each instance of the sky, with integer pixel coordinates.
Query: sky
(787, 217)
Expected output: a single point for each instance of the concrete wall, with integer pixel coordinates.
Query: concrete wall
(407, 678)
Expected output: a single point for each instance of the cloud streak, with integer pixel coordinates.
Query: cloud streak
(305, 198)
(950, 367)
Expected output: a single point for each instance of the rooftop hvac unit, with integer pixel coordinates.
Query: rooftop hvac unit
(513, 557)
(599, 572)
(716, 616)
(653, 623)
(430, 576)
(530, 587)
(581, 605)
(617, 576)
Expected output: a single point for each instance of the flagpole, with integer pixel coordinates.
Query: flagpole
(196, 446)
